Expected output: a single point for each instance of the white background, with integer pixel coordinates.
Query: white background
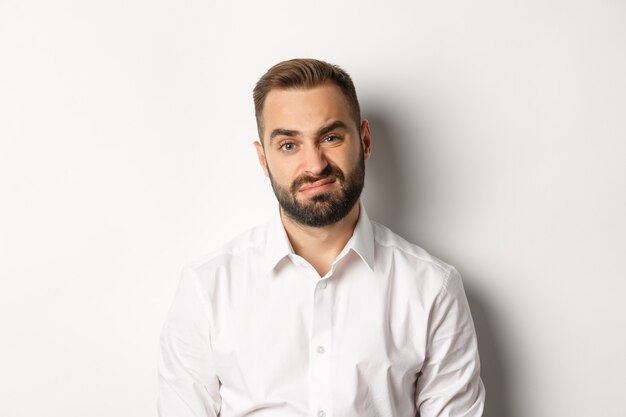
(126, 129)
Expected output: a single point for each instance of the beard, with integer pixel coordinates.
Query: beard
(327, 208)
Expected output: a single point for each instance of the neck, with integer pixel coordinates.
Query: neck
(320, 246)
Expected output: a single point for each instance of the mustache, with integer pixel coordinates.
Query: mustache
(328, 172)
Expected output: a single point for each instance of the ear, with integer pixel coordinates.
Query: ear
(260, 152)
(366, 138)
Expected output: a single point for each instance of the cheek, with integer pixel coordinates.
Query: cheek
(347, 164)
(281, 172)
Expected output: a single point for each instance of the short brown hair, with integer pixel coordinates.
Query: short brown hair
(304, 73)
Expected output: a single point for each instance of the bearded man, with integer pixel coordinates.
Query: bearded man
(320, 312)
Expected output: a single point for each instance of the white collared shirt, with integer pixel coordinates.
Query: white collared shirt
(255, 331)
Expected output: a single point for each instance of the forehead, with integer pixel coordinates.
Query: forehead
(305, 109)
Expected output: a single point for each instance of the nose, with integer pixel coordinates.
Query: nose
(314, 161)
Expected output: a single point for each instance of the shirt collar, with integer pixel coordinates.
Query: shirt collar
(278, 245)
(361, 242)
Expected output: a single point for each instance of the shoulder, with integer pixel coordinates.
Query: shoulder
(392, 242)
(412, 259)
(247, 245)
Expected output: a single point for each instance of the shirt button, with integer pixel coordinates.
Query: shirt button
(323, 284)
(321, 350)
(321, 413)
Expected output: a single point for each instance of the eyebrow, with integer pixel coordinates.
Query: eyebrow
(336, 124)
(283, 132)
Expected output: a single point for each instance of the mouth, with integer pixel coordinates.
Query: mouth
(318, 186)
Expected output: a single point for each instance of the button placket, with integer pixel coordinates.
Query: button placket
(320, 343)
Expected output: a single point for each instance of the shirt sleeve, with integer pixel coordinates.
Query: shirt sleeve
(188, 384)
(449, 383)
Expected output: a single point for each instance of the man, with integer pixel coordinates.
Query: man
(321, 312)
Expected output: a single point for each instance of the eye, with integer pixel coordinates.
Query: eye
(331, 139)
(288, 146)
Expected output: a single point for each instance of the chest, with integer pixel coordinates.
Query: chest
(356, 327)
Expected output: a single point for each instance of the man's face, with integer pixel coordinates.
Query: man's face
(313, 153)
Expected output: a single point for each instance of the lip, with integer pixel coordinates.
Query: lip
(317, 186)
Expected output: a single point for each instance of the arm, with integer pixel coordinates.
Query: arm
(188, 384)
(449, 383)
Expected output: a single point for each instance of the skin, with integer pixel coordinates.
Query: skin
(304, 131)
